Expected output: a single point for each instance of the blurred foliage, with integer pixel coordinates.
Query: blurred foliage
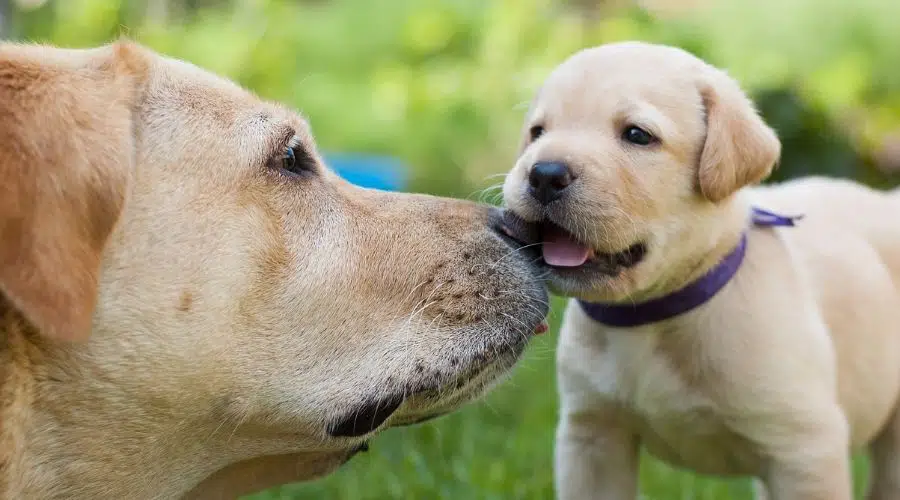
(443, 84)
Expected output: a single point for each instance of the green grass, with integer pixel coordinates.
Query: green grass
(499, 448)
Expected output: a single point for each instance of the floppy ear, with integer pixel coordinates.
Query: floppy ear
(740, 149)
(65, 158)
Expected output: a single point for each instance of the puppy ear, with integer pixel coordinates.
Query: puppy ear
(65, 157)
(740, 149)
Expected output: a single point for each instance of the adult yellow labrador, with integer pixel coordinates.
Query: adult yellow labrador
(713, 328)
(193, 304)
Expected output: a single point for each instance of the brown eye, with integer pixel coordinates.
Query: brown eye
(638, 136)
(294, 159)
(289, 159)
(536, 132)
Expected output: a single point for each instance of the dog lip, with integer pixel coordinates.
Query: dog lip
(632, 255)
(419, 420)
(518, 229)
(610, 263)
(530, 233)
(365, 418)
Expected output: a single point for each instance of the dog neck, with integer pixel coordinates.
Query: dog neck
(696, 293)
(67, 435)
(19, 355)
(61, 435)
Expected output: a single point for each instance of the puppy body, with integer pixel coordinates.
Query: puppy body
(192, 304)
(793, 363)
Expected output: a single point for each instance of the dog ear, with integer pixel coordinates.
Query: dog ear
(740, 149)
(66, 150)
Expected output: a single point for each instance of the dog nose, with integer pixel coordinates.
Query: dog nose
(547, 180)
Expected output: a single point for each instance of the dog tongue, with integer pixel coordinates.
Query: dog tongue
(561, 250)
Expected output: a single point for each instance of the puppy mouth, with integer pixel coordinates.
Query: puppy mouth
(562, 251)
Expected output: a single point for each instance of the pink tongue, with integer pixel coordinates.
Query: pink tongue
(561, 250)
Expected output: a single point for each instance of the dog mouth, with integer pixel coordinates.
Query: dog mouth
(561, 251)
(432, 397)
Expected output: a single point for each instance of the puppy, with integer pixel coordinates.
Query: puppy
(192, 304)
(725, 328)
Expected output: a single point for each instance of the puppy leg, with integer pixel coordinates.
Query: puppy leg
(822, 478)
(595, 458)
(885, 468)
(812, 462)
(759, 490)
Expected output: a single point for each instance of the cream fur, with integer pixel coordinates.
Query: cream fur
(793, 364)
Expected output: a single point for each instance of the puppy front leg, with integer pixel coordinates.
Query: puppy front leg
(885, 455)
(595, 458)
(825, 478)
(813, 464)
(759, 490)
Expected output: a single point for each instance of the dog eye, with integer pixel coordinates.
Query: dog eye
(637, 135)
(289, 159)
(535, 132)
(294, 160)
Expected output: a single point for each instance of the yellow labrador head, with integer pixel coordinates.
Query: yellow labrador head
(233, 298)
(627, 151)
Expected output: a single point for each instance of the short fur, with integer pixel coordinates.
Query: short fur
(792, 364)
(181, 317)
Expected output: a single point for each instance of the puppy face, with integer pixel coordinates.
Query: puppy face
(248, 301)
(626, 151)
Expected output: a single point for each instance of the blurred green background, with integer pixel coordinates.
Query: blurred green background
(443, 85)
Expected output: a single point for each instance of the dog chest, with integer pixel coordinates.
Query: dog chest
(658, 381)
(698, 441)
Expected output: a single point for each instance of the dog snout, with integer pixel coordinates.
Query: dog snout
(548, 180)
(515, 232)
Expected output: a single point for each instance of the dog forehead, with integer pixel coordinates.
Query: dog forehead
(635, 64)
(628, 54)
(180, 91)
(175, 73)
(600, 83)
(590, 100)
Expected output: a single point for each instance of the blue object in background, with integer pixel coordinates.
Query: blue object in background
(369, 171)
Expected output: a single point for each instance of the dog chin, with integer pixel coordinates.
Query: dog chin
(428, 407)
(418, 401)
(467, 385)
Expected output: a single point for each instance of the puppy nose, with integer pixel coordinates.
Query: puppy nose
(547, 180)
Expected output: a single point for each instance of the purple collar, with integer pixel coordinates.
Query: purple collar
(689, 297)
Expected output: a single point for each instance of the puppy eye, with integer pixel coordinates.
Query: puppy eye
(637, 135)
(535, 132)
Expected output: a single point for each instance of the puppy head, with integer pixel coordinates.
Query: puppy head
(226, 278)
(629, 151)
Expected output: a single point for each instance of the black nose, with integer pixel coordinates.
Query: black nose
(547, 180)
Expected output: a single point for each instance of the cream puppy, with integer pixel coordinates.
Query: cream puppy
(722, 339)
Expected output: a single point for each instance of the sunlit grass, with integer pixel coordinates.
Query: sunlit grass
(500, 448)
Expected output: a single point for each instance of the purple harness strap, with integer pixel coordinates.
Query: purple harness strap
(689, 297)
